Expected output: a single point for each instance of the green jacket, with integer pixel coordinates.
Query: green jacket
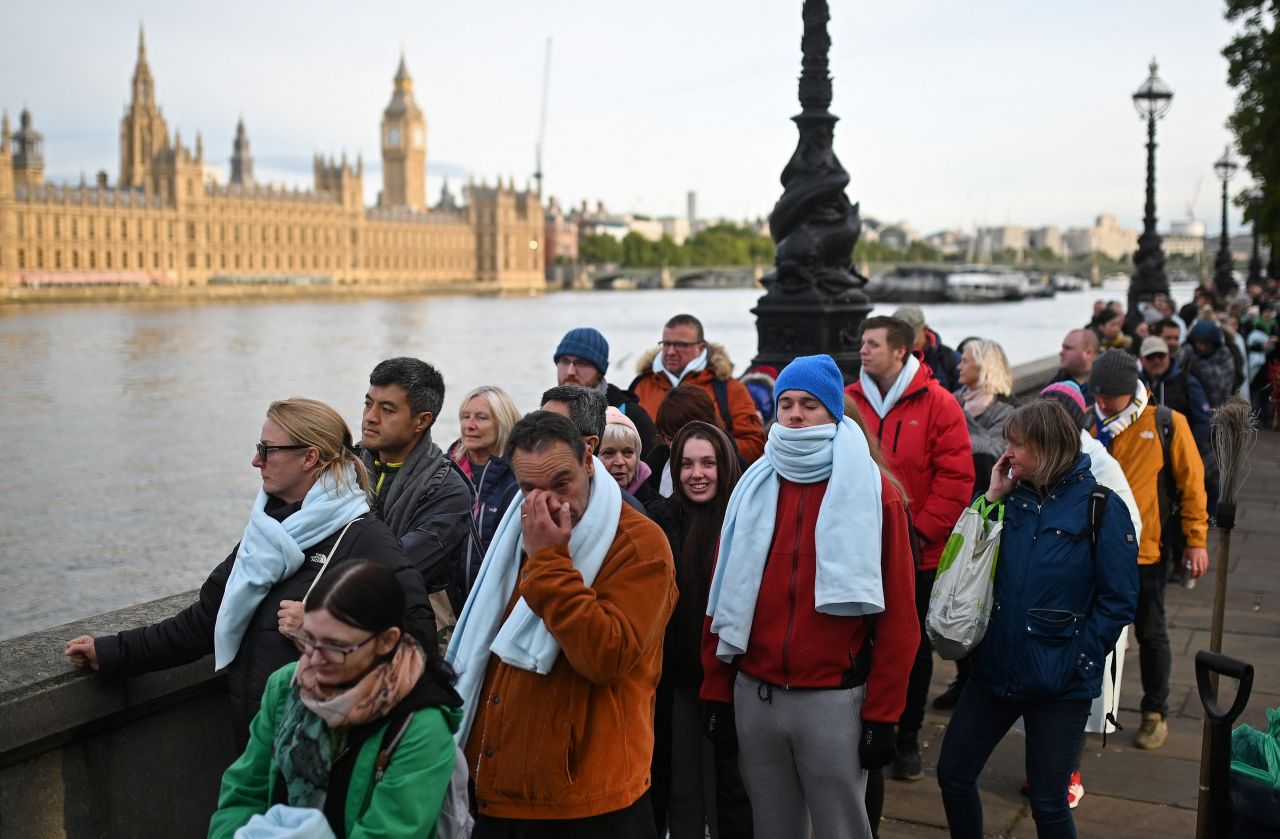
(406, 802)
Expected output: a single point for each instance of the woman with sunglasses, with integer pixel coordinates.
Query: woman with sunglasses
(359, 731)
(311, 514)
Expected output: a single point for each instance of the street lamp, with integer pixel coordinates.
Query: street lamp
(814, 302)
(1255, 258)
(1222, 267)
(1152, 100)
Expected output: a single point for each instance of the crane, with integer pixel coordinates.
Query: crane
(542, 122)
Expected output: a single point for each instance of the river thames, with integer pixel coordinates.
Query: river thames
(131, 427)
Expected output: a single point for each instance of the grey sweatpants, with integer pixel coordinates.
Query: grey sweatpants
(798, 751)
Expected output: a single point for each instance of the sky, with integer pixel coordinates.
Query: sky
(952, 114)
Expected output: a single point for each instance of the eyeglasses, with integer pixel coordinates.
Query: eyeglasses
(264, 449)
(330, 653)
(678, 345)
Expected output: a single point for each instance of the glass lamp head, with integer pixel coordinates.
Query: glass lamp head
(1226, 165)
(1153, 97)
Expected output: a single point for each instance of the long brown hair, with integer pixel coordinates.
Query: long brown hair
(851, 411)
(700, 523)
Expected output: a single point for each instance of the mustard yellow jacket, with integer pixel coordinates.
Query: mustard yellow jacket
(1140, 454)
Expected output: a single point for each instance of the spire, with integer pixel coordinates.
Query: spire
(4, 134)
(404, 82)
(143, 84)
(241, 159)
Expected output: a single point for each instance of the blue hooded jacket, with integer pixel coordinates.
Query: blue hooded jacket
(1059, 607)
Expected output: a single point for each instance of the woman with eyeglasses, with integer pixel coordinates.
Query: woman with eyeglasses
(358, 732)
(310, 515)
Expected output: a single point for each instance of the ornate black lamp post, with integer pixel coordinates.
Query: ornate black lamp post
(1255, 258)
(1152, 99)
(814, 301)
(1222, 266)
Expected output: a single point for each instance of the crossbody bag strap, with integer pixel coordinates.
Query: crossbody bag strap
(329, 556)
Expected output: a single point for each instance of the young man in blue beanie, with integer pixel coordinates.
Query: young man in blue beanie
(582, 358)
(814, 559)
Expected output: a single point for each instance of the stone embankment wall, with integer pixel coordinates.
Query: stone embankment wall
(83, 755)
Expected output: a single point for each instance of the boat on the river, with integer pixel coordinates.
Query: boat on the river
(962, 284)
(986, 284)
(909, 284)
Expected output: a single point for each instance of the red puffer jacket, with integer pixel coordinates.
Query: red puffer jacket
(795, 646)
(925, 440)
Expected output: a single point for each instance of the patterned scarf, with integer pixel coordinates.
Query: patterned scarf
(975, 402)
(1109, 427)
(313, 729)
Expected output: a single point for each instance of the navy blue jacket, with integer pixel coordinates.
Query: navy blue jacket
(1058, 608)
(490, 499)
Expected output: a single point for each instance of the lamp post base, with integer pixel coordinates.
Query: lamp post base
(808, 325)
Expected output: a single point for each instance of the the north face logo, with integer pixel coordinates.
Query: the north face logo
(319, 559)
(1147, 435)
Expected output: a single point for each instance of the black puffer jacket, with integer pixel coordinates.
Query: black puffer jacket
(188, 635)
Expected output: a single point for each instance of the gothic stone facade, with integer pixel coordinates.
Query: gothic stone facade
(163, 224)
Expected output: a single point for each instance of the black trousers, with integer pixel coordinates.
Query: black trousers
(634, 822)
(922, 671)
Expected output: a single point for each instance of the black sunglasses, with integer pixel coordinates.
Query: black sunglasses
(264, 450)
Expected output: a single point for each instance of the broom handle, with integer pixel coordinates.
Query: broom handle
(1215, 645)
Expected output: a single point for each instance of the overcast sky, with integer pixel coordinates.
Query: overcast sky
(952, 114)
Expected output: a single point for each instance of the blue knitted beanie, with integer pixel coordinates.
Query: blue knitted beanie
(587, 344)
(815, 374)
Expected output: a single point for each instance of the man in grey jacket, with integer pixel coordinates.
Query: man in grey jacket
(418, 491)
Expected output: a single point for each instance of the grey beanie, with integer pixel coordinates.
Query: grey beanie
(1115, 373)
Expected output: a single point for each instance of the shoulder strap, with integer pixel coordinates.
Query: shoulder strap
(721, 389)
(328, 557)
(384, 754)
(1097, 506)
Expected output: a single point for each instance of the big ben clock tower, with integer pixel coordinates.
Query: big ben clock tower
(404, 147)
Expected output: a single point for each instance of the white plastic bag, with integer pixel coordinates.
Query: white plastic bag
(960, 603)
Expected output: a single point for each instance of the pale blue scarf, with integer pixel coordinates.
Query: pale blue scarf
(882, 405)
(522, 640)
(271, 551)
(848, 578)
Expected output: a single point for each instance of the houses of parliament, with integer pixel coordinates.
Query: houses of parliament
(163, 223)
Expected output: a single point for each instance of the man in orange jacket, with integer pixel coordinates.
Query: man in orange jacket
(559, 731)
(685, 357)
(1125, 421)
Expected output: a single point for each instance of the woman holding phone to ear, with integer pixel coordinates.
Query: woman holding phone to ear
(1062, 596)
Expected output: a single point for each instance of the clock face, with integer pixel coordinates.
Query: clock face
(417, 138)
(393, 137)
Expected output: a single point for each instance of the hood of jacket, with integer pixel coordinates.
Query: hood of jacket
(718, 361)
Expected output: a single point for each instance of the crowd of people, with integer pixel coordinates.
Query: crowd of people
(695, 605)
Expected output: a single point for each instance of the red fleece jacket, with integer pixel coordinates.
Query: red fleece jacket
(793, 645)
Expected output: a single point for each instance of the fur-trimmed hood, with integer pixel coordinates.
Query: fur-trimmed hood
(718, 361)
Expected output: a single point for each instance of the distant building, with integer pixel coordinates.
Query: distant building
(1106, 237)
(165, 222)
(949, 242)
(560, 238)
(997, 240)
(1185, 238)
(1047, 238)
(897, 236)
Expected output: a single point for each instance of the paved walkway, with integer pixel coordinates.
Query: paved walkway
(1130, 792)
